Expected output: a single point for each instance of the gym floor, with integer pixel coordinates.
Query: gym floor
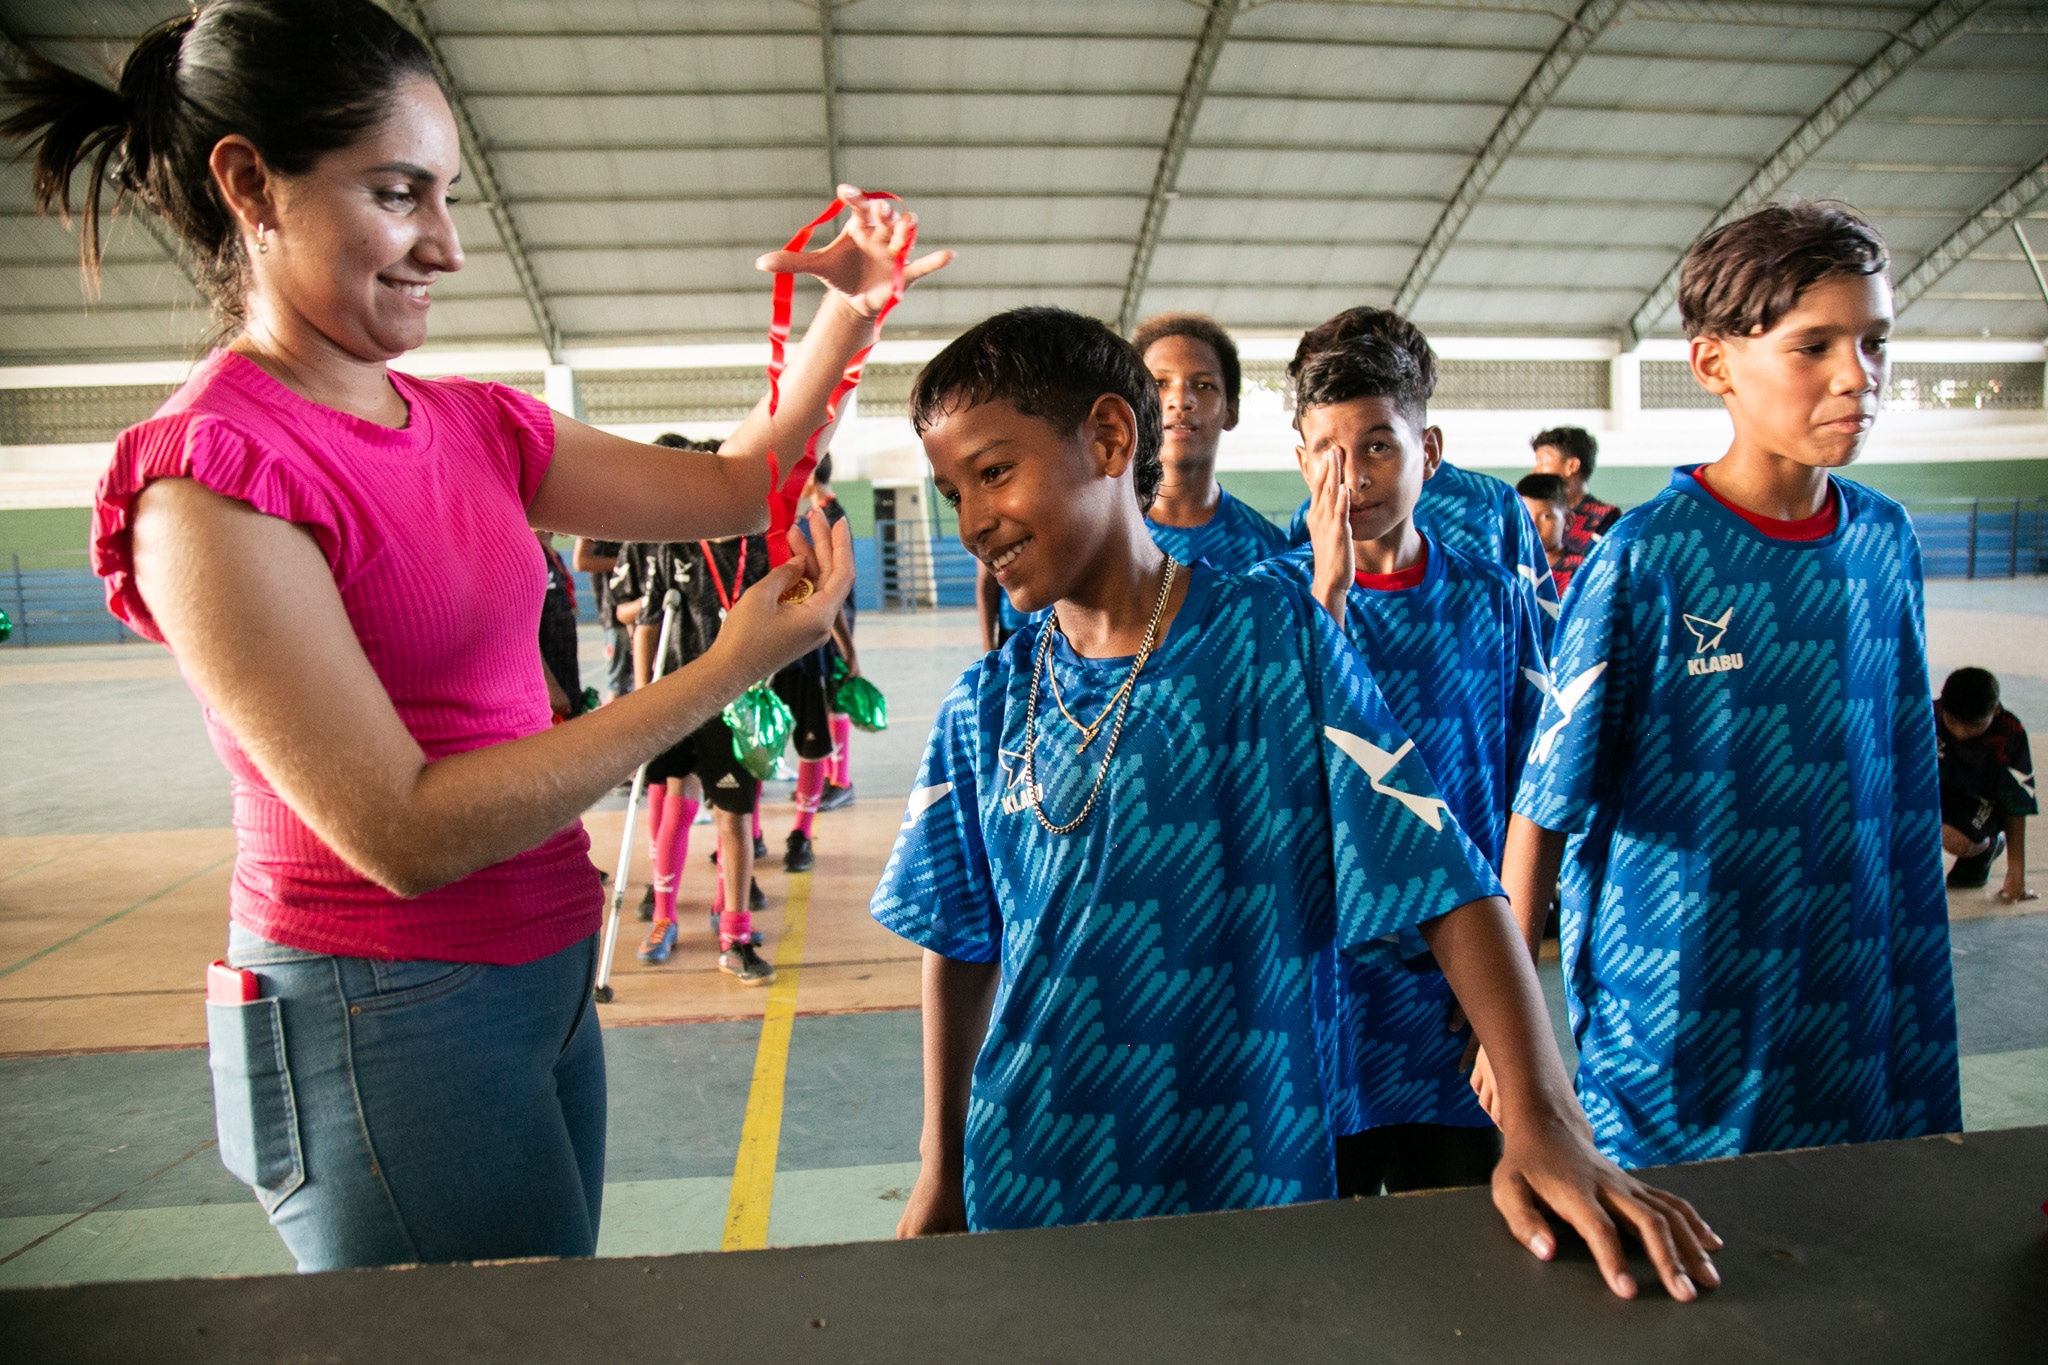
(115, 855)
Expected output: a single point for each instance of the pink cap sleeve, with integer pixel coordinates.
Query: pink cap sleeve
(220, 457)
(531, 424)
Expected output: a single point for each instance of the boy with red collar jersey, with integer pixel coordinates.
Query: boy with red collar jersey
(1456, 646)
(1125, 965)
(1737, 763)
(1461, 508)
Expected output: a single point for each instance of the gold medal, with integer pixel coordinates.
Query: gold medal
(799, 591)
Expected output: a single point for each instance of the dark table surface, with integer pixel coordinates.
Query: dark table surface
(1935, 1249)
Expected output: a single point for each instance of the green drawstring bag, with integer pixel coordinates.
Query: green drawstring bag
(761, 727)
(6, 627)
(861, 702)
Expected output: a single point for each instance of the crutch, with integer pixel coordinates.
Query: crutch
(671, 603)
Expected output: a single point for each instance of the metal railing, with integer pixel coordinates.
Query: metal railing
(920, 564)
(55, 603)
(1981, 537)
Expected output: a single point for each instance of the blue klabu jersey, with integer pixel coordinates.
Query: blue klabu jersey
(1459, 659)
(1484, 517)
(1231, 541)
(1740, 743)
(1168, 970)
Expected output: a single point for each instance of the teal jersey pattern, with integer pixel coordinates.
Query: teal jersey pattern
(1231, 541)
(1168, 970)
(1459, 659)
(1740, 743)
(1484, 517)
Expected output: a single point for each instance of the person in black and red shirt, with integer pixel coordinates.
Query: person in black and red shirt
(1570, 453)
(1549, 507)
(1987, 783)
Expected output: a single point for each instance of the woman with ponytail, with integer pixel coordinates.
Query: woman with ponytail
(406, 1061)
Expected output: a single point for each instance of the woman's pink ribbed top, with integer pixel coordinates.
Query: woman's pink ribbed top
(425, 530)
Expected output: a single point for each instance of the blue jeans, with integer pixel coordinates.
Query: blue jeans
(394, 1112)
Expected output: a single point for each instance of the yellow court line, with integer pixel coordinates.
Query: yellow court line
(753, 1172)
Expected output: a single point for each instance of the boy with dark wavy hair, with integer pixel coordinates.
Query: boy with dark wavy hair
(1737, 767)
(1141, 832)
(1462, 508)
(1455, 644)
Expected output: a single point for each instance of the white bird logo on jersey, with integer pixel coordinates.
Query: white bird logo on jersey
(1378, 763)
(1701, 627)
(1566, 699)
(923, 799)
(1556, 609)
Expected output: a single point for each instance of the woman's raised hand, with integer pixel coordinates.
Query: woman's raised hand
(859, 265)
(762, 632)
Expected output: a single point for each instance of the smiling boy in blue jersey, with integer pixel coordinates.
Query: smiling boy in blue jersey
(1461, 508)
(1192, 518)
(1455, 645)
(1140, 833)
(1737, 766)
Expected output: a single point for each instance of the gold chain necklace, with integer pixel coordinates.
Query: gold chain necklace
(1088, 732)
(1121, 702)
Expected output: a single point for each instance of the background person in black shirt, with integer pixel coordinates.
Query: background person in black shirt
(710, 575)
(1987, 783)
(558, 634)
(598, 558)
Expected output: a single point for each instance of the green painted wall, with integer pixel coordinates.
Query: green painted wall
(1276, 492)
(45, 537)
(857, 496)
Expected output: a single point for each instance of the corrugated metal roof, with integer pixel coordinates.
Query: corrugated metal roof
(647, 152)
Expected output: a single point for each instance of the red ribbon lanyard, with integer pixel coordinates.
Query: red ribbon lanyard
(784, 493)
(739, 572)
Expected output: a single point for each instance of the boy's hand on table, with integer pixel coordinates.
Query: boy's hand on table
(937, 1205)
(1554, 1164)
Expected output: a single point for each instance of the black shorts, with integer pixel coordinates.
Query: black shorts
(1971, 814)
(1415, 1156)
(802, 689)
(708, 754)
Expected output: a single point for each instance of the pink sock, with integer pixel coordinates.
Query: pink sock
(842, 737)
(671, 852)
(757, 822)
(734, 926)
(810, 784)
(657, 799)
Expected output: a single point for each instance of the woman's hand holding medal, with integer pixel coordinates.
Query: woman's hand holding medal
(790, 612)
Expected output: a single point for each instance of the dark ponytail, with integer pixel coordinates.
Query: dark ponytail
(298, 78)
